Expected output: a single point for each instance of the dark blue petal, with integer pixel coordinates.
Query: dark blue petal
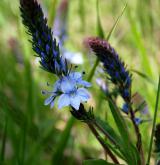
(125, 108)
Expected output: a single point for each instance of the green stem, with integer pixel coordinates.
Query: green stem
(52, 11)
(104, 132)
(139, 138)
(23, 149)
(4, 142)
(154, 123)
(93, 70)
(98, 137)
(63, 141)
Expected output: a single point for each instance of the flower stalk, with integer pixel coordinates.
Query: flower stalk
(98, 137)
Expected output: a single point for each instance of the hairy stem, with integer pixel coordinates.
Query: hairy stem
(104, 132)
(139, 138)
(107, 150)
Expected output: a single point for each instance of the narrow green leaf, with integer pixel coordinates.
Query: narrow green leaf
(133, 155)
(2, 156)
(81, 10)
(114, 138)
(120, 122)
(107, 129)
(116, 22)
(30, 107)
(115, 151)
(143, 75)
(91, 74)
(52, 12)
(63, 142)
(23, 144)
(154, 123)
(139, 43)
(99, 25)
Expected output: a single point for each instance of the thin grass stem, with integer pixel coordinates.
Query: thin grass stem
(154, 123)
(2, 157)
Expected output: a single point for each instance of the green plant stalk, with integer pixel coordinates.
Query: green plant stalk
(23, 143)
(81, 10)
(154, 123)
(30, 107)
(139, 44)
(116, 22)
(63, 141)
(4, 141)
(104, 132)
(107, 150)
(93, 70)
(100, 31)
(52, 12)
(139, 138)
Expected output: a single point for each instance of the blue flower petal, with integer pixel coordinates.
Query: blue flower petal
(57, 66)
(83, 94)
(67, 85)
(75, 75)
(57, 86)
(75, 102)
(52, 104)
(63, 101)
(63, 65)
(48, 100)
(137, 120)
(84, 83)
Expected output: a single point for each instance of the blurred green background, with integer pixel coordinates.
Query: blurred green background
(31, 133)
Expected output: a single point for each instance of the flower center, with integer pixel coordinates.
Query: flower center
(72, 93)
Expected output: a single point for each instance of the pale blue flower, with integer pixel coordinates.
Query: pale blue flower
(77, 77)
(53, 94)
(70, 91)
(72, 95)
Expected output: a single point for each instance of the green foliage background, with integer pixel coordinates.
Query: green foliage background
(31, 133)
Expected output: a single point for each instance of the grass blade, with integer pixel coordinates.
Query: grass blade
(2, 157)
(63, 142)
(81, 11)
(143, 75)
(52, 12)
(100, 31)
(132, 154)
(139, 44)
(154, 123)
(116, 22)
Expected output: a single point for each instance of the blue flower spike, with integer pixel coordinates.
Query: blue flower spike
(43, 43)
(113, 65)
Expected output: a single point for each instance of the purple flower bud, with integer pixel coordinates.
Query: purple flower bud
(125, 108)
(113, 65)
(137, 120)
(47, 48)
